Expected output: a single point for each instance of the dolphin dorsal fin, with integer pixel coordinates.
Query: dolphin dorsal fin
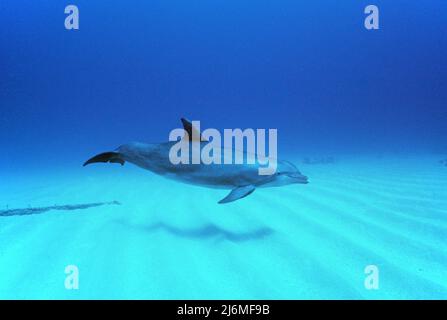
(191, 130)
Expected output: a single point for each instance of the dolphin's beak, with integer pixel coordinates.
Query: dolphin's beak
(299, 178)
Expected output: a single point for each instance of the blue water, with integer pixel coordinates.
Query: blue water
(371, 101)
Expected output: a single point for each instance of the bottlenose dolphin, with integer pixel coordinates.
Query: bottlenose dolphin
(242, 179)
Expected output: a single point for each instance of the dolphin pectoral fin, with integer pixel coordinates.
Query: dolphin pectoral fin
(112, 157)
(238, 193)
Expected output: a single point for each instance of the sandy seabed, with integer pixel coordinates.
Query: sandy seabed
(167, 240)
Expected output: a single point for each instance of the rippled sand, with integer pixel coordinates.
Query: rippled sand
(173, 241)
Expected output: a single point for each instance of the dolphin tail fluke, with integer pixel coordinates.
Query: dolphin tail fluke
(238, 193)
(112, 157)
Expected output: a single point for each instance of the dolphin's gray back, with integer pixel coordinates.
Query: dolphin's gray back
(155, 157)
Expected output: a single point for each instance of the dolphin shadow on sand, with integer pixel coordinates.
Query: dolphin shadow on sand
(208, 231)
